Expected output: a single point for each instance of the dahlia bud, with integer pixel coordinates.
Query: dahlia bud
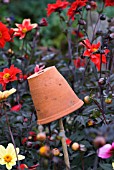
(82, 22)
(75, 146)
(44, 151)
(102, 17)
(41, 136)
(108, 100)
(99, 141)
(102, 81)
(90, 123)
(43, 22)
(88, 7)
(56, 152)
(87, 99)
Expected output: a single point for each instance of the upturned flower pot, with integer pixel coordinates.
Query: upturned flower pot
(52, 96)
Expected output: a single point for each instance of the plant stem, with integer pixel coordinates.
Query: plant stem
(64, 145)
(95, 163)
(12, 138)
(102, 111)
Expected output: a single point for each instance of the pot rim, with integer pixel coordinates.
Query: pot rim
(40, 72)
(63, 113)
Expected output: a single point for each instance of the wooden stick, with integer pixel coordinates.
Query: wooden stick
(64, 145)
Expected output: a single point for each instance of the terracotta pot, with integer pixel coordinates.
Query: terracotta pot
(52, 96)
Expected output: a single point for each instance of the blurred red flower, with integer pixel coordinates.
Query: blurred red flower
(32, 133)
(74, 7)
(22, 77)
(109, 2)
(57, 6)
(22, 166)
(23, 28)
(78, 62)
(77, 33)
(11, 32)
(16, 108)
(91, 50)
(4, 35)
(93, 5)
(68, 141)
(43, 22)
(9, 75)
(24, 140)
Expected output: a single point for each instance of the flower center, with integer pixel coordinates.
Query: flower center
(24, 30)
(7, 158)
(0, 34)
(6, 76)
(95, 49)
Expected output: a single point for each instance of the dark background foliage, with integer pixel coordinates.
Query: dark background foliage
(52, 49)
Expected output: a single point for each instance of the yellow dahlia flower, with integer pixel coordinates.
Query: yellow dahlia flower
(8, 156)
(6, 93)
(113, 165)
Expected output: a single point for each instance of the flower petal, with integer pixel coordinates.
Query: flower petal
(105, 151)
(9, 166)
(2, 151)
(21, 157)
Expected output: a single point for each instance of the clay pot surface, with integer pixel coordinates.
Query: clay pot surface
(52, 96)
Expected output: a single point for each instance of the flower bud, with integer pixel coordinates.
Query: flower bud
(102, 17)
(99, 141)
(108, 100)
(88, 7)
(43, 22)
(90, 123)
(29, 144)
(82, 22)
(87, 99)
(75, 146)
(93, 4)
(56, 152)
(44, 151)
(102, 81)
(41, 136)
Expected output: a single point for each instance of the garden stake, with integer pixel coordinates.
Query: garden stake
(64, 145)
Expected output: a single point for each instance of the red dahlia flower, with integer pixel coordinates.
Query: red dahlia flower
(9, 75)
(91, 50)
(4, 35)
(74, 6)
(55, 7)
(109, 2)
(24, 28)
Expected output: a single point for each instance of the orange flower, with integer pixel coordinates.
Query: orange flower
(4, 35)
(24, 28)
(9, 75)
